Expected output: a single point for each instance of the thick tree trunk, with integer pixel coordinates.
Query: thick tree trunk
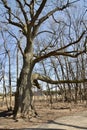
(23, 96)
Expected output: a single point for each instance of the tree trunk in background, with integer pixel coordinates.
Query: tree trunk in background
(86, 93)
(4, 92)
(69, 90)
(10, 86)
(76, 93)
(80, 93)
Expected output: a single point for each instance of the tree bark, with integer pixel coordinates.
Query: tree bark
(23, 96)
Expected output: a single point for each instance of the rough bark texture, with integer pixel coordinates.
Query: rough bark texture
(23, 97)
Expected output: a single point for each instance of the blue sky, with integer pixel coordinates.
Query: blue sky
(11, 42)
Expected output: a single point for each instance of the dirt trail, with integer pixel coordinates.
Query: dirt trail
(59, 117)
(78, 121)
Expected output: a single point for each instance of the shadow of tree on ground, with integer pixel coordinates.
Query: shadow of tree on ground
(62, 124)
(6, 113)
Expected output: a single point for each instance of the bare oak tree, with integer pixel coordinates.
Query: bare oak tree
(28, 16)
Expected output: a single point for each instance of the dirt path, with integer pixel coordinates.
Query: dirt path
(77, 121)
(59, 117)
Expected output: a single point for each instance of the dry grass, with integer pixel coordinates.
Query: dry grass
(46, 114)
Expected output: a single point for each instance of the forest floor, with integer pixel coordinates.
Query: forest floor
(46, 114)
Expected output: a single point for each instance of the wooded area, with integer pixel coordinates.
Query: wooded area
(43, 51)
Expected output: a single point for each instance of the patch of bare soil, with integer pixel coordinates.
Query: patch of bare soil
(45, 112)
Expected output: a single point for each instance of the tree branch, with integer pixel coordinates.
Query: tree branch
(55, 53)
(45, 31)
(46, 79)
(9, 13)
(18, 42)
(41, 20)
(59, 52)
(74, 42)
(31, 6)
(38, 12)
(23, 11)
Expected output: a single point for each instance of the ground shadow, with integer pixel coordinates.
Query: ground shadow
(62, 124)
(10, 112)
(6, 113)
